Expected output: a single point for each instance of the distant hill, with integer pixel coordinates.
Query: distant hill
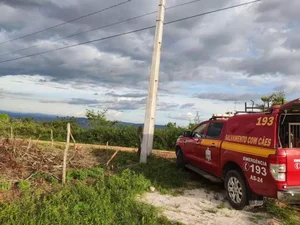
(82, 121)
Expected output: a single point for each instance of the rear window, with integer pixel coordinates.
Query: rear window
(214, 130)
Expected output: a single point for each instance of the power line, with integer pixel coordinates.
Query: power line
(66, 22)
(214, 11)
(101, 27)
(82, 43)
(129, 32)
(83, 32)
(183, 4)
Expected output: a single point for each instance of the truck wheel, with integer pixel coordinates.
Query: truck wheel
(236, 190)
(179, 158)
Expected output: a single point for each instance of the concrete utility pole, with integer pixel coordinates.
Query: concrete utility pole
(149, 123)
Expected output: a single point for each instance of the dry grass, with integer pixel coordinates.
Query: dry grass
(21, 159)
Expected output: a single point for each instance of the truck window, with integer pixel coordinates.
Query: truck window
(289, 130)
(214, 130)
(199, 131)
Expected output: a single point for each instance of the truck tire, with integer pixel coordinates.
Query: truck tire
(179, 158)
(236, 189)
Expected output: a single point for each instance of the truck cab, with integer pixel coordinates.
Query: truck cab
(255, 154)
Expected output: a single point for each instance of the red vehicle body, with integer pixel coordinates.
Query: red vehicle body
(254, 154)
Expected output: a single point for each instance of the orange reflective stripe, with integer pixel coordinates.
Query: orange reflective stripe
(209, 142)
(241, 148)
(248, 149)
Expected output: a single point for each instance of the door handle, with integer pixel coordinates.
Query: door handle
(213, 145)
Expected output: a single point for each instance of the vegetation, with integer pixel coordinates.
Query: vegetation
(24, 185)
(276, 98)
(97, 196)
(109, 200)
(287, 214)
(108, 195)
(99, 131)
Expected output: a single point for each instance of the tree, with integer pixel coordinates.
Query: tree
(171, 125)
(197, 120)
(4, 118)
(4, 122)
(276, 98)
(97, 119)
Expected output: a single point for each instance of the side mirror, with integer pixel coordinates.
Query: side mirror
(187, 134)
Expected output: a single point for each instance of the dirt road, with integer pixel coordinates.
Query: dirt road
(201, 207)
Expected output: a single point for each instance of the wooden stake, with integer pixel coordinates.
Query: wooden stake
(113, 156)
(29, 145)
(66, 154)
(73, 141)
(51, 138)
(11, 133)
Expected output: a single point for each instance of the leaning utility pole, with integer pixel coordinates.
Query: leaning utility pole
(149, 123)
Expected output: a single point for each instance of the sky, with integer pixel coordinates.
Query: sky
(210, 64)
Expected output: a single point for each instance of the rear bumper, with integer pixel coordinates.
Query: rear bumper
(289, 197)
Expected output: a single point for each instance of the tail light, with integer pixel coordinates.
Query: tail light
(278, 167)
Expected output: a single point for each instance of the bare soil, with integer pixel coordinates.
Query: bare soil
(198, 206)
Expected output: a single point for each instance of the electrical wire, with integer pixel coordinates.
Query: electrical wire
(210, 12)
(130, 32)
(183, 4)
(66, 22)
(101, 27)
(83, 32)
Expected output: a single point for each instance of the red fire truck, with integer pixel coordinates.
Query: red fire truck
(255, 154)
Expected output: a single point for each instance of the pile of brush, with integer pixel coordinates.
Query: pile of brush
(21, 159)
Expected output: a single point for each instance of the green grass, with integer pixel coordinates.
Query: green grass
(5, 185)
(97, 173)
(45, 176)
(287, 214)
(257, 218)
(108, 200)
(163, 174)
(24, 185)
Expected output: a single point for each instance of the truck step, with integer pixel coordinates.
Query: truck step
(204, 174)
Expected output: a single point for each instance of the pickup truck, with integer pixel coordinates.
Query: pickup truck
(254, 154)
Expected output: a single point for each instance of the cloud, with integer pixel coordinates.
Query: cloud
(73, 101)
(122, 61)
(80, 101)
(164, 106)
(127, 95)
(188, 105)
(14, 93)
(126, 105)
(228, 97)
(253, 48)
(122, 105)
(185, 117)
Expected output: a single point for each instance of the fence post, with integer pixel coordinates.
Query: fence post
(11, 133)
(51, 138)
(66, 154)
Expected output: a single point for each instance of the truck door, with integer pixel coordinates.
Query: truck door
(208, 153)
(193, 143)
